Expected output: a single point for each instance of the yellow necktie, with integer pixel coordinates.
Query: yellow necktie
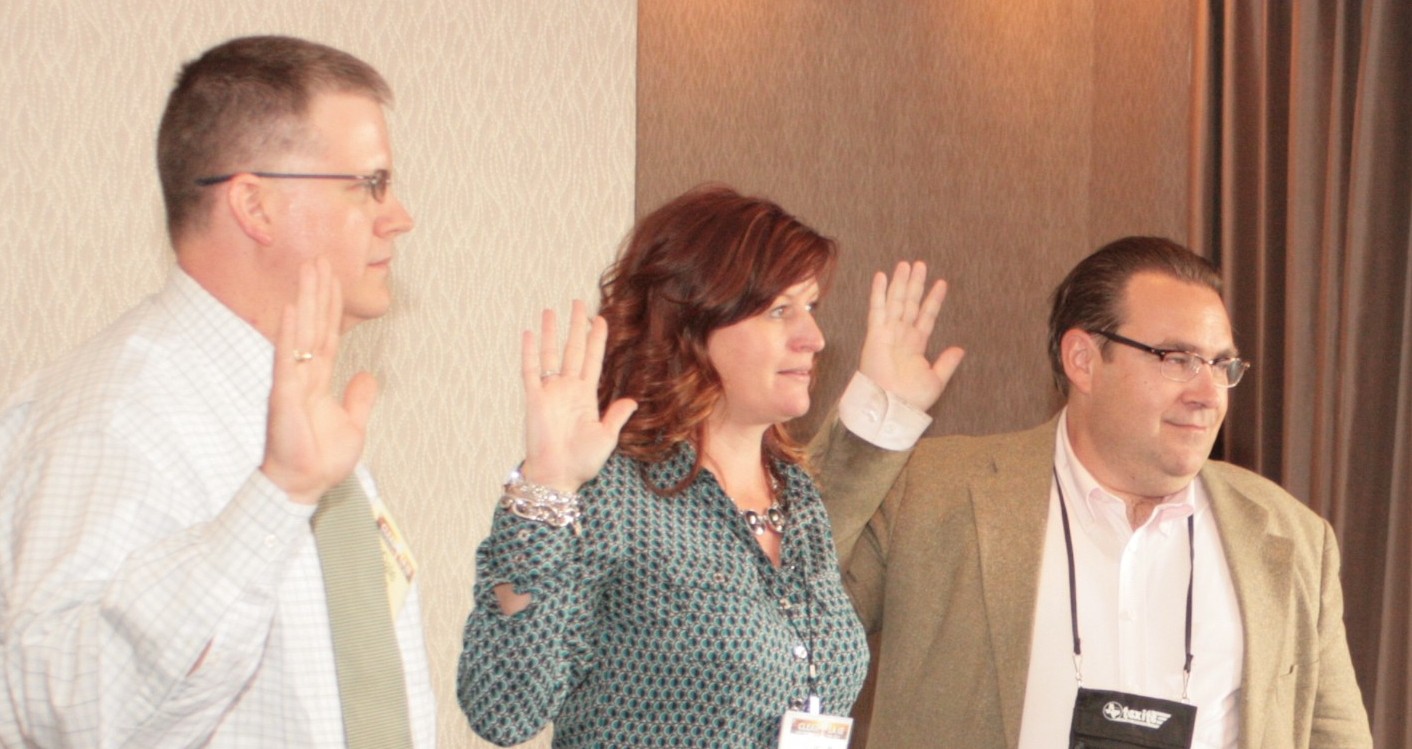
(370, 681)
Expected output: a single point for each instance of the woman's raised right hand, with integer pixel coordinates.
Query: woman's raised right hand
(567, 440)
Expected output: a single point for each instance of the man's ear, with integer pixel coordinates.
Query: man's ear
(1079, 353)
(248, 204)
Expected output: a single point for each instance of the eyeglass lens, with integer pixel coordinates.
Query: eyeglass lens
(377, 184)
(1184, 367)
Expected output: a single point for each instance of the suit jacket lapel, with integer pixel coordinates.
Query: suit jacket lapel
(1259, 564)
(1011, 509)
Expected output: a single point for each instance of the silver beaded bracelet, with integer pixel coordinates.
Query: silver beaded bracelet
(541, 504)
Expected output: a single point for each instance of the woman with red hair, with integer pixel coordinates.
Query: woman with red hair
(661, 571)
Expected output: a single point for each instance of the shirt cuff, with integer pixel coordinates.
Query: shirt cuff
(880, 417)
(528, 554)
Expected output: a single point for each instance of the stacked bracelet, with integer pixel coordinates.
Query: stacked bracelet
(541, 504)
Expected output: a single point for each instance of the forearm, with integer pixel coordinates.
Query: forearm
(854, 478)
(515, 670)
(859, 453)
(149, 632)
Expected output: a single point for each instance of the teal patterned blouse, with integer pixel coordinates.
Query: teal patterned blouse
(663, 624)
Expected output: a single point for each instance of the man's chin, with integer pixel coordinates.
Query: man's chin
(1183, 470)
(358, 313)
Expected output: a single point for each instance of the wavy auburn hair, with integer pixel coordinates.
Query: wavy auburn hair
(706, 260)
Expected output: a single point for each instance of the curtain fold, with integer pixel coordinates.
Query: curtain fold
(1302, 192)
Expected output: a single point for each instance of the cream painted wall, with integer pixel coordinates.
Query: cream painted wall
(514, 138)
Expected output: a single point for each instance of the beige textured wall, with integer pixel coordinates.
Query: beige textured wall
(1000, 140)
(514, 139)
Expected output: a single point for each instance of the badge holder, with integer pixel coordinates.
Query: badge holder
(1109, 719)
(811, 729)
(1105, 719)
(398, 565)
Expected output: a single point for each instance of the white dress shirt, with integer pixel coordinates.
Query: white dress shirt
(1132, 610)
(155, 588)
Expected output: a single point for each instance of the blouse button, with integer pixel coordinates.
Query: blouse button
(785, 604)
(801, 652)
(719, 578)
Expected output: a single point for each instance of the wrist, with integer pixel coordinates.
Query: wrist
(879, 416)
(541, 503)
(534, 474)
(298, 491)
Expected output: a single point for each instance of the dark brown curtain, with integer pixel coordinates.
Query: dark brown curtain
(1302, 179)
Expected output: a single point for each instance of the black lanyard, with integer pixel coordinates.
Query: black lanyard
(1073, 588)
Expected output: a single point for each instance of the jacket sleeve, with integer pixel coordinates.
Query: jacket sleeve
(855, 477)
(1340, 720)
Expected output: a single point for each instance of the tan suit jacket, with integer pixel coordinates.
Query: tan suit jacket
(947, 571)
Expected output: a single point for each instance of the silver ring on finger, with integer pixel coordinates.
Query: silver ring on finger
(302, 356)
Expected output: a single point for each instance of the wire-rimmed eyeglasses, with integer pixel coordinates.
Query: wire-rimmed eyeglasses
(1182, 366)
(377, 182)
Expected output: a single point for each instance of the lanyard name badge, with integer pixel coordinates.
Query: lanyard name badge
(1109, 719)
(805, 725)
(811, 729)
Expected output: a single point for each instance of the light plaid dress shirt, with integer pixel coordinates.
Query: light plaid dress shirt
(137, 533)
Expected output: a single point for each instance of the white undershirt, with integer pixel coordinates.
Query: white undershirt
(1132, 610)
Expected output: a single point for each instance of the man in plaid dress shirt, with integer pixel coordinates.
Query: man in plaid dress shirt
(159, 582)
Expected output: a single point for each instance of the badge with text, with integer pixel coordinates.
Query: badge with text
(801, 730)
(1105, 719)
(398, 564)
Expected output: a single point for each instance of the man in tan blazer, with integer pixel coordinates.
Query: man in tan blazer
(961, 566)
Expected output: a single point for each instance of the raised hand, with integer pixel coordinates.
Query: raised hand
(567, 440)
(313, 440)
(900, 322)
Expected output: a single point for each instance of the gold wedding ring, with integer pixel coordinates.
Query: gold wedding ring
(302, 356)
